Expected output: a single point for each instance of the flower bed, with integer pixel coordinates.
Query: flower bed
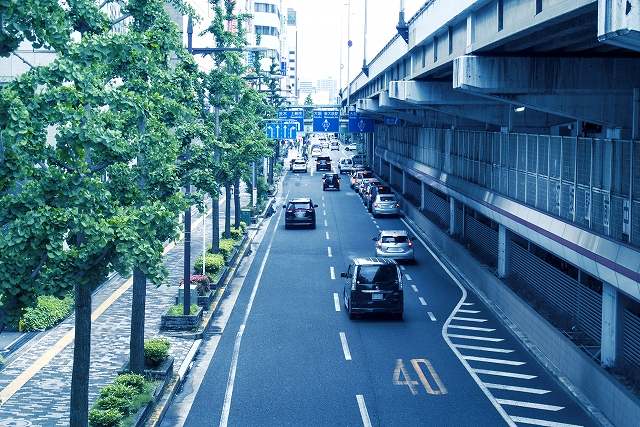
(174, 320)
(120, 402)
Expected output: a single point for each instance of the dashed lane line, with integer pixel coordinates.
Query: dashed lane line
(431, 316)
(403, 268)
(415, 289)
(543, 423)
(329, 253)
(408, 277)
(332, 272)
(479, 348)
(492, 360)
(471, 328)
(469, 319)
(325, 223)
(336, 301)
(364, 414)
(326, 235)
(505, 374)
(516, 388)
(530, 405)
(422, 301)
(345, 346)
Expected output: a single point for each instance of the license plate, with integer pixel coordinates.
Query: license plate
(299, 214)
(394, 250)
(377, 297)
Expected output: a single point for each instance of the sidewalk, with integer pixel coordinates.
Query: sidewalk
(43, 400)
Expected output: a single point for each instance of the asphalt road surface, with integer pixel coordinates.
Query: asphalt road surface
(284, 352)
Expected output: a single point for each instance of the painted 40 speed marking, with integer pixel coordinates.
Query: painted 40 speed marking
(401, 377)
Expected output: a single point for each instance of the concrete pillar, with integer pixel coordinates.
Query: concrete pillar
(453, 226)
(612, 326)
(504, 251)
(422, 196)
(390, 173)
(404, 181)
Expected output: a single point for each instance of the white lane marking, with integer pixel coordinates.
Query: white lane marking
(530, 405)
(332, 271)
(329, 254)
(326, 235)
(473, 337)
(471, 328)
(325, 223)
(469, 311)
(445, 325)
(408, 277)
(491, 360)
(374, 221)
(422, 301)
(516, 388)
(505, 374)
(403, 268)
(543, 423)
(489, 349)
(226, 406)
(431, 316)
(345, 345)
(415, 289)
(323, 205)
(336, 301)
(377, 226)
(469, 319)
(467, 303)
(324, 212)
(364, 414)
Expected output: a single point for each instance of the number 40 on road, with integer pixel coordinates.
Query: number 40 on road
(401, 376)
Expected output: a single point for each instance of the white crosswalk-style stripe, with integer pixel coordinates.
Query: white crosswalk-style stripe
(530, 405)
(469, 311)
(504, 374)
(491, 360)
(489, 349)
(467, 303)
(469, 319)
(516, 388)
(543, 423)
(471, 328)
(473, 337)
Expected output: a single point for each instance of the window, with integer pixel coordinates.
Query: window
(266, 8)
(385, 276)
(264, 30)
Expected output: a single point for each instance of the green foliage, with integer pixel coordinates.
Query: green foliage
(124, 397)
(262, 187)
(134, 381)
(104, 417)
(48, 312)
(156, 350)
(243, 226)
(114, 403)
(176, 310)
(226, 247)
(121, 391)
(237, 233)
(213, 263)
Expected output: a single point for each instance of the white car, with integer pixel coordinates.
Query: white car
(345, 165)
(325, 144)
(316, 151)
(299, 165)
(351, 147)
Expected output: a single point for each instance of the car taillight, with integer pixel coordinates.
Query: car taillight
(375, 205)
(410, 243)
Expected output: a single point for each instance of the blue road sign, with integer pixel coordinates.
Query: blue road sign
(281, 129)
(326, 120)
(296, 114)
(360, 124)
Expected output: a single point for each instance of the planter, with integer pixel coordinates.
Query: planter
(161, 371)
(205, 300)
(236, 250)
(180, 295)
(141, 417)
(182, 322)
(223, 276)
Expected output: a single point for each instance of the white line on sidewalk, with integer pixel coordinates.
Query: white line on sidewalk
(329, 254)
(471, 328)
(469, 311)
(504, 374)
(422, 301)
(408, 277)
(473, 337)
(431, 316)
(516, 388)
(332, 271)
(543, 423)
(469, 319)
(336, 301)
(491, 360)
(529, 405)
(345, 346)
(415, 289)
(326, 235)
(489, 349)
(364, 414)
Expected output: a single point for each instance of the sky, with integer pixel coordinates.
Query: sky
(322, 27)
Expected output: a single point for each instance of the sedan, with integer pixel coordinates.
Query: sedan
(385, 204)
(299, 165)
(394, 244)
(351, 147)
(300, 212)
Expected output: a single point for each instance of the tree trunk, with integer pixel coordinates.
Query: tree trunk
(236, 203)
(227, 211)
(215, 222)
(271, 165)
(79, 413)
(138, 301)
(186, 277)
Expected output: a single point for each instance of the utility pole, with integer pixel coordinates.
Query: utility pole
(186, 308)
(365, 68)
(349, 43)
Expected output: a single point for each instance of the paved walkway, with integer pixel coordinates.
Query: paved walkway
(44, 399)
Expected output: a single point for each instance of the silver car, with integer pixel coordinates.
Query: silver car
(385, 204)
(394, 244)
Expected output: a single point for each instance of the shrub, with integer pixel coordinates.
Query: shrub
(212, 264)
(237, 233)
(201, 282)
(226, 247)
(104, 417)
(118, 390)
(135, 381)
(243, 226)
(48, 312)
(114, 403)
(177, 310)
(156, 350)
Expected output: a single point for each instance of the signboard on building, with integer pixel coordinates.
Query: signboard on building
(360, 124)
(326, 120)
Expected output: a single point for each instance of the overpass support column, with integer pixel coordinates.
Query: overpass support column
(421, 196)
(404, 180)
(612, 326)
(504, 251)
(454, 228)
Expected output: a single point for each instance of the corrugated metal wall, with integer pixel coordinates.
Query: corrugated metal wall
(412, 189)
(483, 240)
(436, 208)
(631, 344)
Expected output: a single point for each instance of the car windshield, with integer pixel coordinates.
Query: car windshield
(299, 205)
(386, 199)
(300, 162)
(383, 276)
(394, 239)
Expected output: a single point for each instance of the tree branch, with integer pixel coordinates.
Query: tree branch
(36, 271)
(119, 20)
(63, 165)
(22, 59)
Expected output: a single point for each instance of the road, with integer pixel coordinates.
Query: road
(286, 353)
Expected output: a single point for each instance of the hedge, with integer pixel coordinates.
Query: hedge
(48, 312)
(119, 400)
(212, 264)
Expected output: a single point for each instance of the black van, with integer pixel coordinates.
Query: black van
(373, 285)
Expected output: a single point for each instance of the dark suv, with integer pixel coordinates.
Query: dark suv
(331, 181)
(373, 285)
(300, 212)
(323, 163)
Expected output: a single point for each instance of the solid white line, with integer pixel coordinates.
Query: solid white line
(326, 235)
(529, 405)
(491, 360)
(489, 349)
(364, 414)
(422, 301)
(332, 271)
(505, 374)
(516, 388)
(345, 346)
(543, 423)
(415, 289)
(408, 277)
(329, 254)
(226, 406)
(469, 319)
(471, 328)
(431, 316)
(336, 301)
(445, 325)
(472, 337)
(469, 311)
(325, 223)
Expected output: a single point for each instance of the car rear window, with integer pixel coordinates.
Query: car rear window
(367, 174)
(394, 239)
(384, 276)
(300, 205)
(387, 199)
